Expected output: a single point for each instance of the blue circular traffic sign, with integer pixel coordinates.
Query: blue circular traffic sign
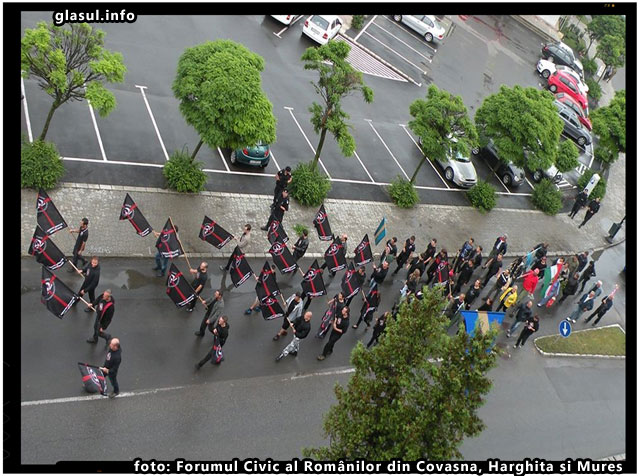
(565, 328)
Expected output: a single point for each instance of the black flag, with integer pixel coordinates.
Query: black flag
(239, 270)
(442, 271)
(267, 285)
(276, 232)
(178, 287)
(167, 242)
(131, 212)
(371, 301)
(362, 252)
(282, 257)
(312, 283)
(213, 233)
(271, 308)
(49, 217)
(45, 250)
(93, 378)
(55, 294)
(335, 256)
(321, 222)
(351, 282)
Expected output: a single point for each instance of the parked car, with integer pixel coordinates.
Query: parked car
(583, 114)
(286, 19)
(547, 68)
(561, 53)
(552, 173)
(572, 125)
(507, 171)
(258, 155)
(322, 28)
(426, 25)
(457, 169)
(564, 83)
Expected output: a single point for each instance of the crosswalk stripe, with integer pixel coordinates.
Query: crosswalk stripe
(365, 63)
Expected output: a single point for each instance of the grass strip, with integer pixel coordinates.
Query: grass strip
(602, 341)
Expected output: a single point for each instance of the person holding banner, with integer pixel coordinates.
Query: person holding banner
(300, 246)
(161, 261)
(300, 327)
(104, 307)
(220, 333)
(292, 312)
(215, 306)
(198, 282)
(91, 274)
(112, 364)
(281, 206)
(81, 241)
(242, 243)
(339, 327)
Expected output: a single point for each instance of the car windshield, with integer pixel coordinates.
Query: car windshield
(461, 158)
(321, 22)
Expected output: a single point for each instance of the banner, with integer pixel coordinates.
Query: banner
(131, 212)
(267, 285)
(381, 231)
(282, 257)
(49, 218)
(271, 308)
(178, 288)
(551, 275)
(321, 223)
(45, 250)
(275, 232)
(335, 256)
(442, 272)
(363, 254)
(370, 304)
(481, 320)
(167, 242)
(92, 378)
(239, 270)
(55, 294)
(351, 282)
(312, 283)
(213, 233)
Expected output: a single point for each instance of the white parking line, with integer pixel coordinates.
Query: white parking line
(430, 163)
(26, 110)
(365, 169)
(153, 120)
(290, 109)
(288, 26)
(406, 44)
(97, 397)
(224, 161)
(394, 51)
(95, 125)
(501, 182)
(275, 161)
(388, 150)
(365, 27)
(527, 180)
(408, 31)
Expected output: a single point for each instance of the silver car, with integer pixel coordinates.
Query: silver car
(457, 169)
(426, 25)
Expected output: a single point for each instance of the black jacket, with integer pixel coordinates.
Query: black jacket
(605, 306)
(379, 274)
(589, 272)
(571, 287)
(494, 267)
(581, 199)
(105, 310)
(593, 207)
(223, 333)
(417, 263)
(524, 313)
(502, 249)
(582, 260)
(471, 295)
(91, 277)
(477, 259)
(302, 327)
(465, 274)
(301, 246)
(112, 361)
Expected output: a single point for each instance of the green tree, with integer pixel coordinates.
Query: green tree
(567, 157)
(603, 25)
(610, 125)
(337, 80)
(414, 395)
(219, 88)
(521, 119)
(443, 125)
(71, 64)
(611, 50)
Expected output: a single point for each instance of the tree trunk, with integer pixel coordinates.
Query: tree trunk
(415, 174)
(193, 156)
(314, 163)
(54, 106)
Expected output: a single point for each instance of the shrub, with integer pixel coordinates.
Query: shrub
(309, 187)
(547, 197)
(299, 229)
(357, 21)
(605, 155)
(40, 165)
(599, 190)
(403, 193)
(573, 38)
(482, 196)
(595, 91)
(183, 174)
(590, 66)
(567, 158)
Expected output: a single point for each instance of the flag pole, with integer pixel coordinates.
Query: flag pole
(74, 266)
(89, 305)
(180, 243)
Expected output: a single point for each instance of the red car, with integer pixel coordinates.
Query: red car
(583, 114)
(564, 83)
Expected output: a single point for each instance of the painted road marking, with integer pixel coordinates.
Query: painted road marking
(527, 180)
(365, 27)
(26, 109)
(223, 160)
(501, 182)
(432, 166)
(404, 43)
(153, 120)
(365, 169)
(394, 51)
(388, 150)
(322, 374)
(288, 26)
(275, 161)
(411, 32)
(290, 109)
(97, 397)
(367, 64)
(95, 125)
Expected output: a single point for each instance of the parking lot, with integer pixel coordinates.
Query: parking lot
(131, 145)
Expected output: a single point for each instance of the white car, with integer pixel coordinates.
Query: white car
(547, 68)
(322, 28)
(426, 25)
(286, 19)
(457, 168)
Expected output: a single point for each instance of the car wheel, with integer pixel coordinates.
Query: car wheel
(448, 174)
(233, 158)
(397, 18)
(537, 176)
(582, 140)
(553, 88)
(428, 37)
(546, 73)
(506, 179)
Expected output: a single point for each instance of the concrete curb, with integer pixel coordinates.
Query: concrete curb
(595, 356)
(618, 457)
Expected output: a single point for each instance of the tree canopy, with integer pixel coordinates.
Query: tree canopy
(70, 63)
(567, 158)
(521, 119)
(415, 394)
(602, 25)
(611, 50)
(219, 88)
(610, 125)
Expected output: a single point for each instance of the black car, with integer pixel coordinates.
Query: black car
(507, 171)
(560, 53)
(572, 126)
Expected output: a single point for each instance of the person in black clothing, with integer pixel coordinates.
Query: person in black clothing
(531, 325)
(603, 308)
(409, 247)
(583, 259)
(476, 257)
(198, 283)
(453, 309)
(439, 258)
(104, 307)
(472, 294)
(378, 328)
(378, 274)
(221, 331)
(215, 306)
(389, 250)
(112, 364)
(581, 201)
(343, 239)
(523, 313)
(281, 206)
(339, 327)
(540, 265)
(571, 287)
(487, 305)
(430, 252)
(592, 209)
(463, 254)
(91, 274)
(359, 279)
(81, 241)
(587, 274)
(499, 248)
(541, 249)
(300, 246)
(283, 179)
(494, 268)
(465, 275)
(300, 328)
(419, 263)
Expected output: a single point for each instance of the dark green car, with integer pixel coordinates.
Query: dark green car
(258, 155)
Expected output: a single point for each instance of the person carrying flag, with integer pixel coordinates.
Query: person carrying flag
(359, 278)
(339, 327)
(242, 243)
(281, 206)
(301, 245)
(378, 274)
(292, 312)
(215, 306)
(220, 332)
(91, 274)
(300, 327)
(104, 307)
(198, 283)
(81, 241)
(112, 364)
(343, 240)
(161, 261)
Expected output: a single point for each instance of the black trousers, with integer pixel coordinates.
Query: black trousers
(229, 262)
(576, 208)
(333, 338)
(296, 256)
(114, 381)
(600, 315)
(78, 257)
(192, 304)
(587, 217)
(96, 331)
(203, 324)
(91, 293)
(401, 260)
(584, 283)
(524, 335)
(207, 357)
(374, 338)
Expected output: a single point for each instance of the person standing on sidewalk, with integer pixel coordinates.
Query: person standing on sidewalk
(220, 332)
(281, 206)
(463, 254)
(283, 179)
(585, 304)
(91, 274)
(81, 241)
(532, 325)
(405, 254)
(112, 364)
(499, 248)
(390, 251)
(301, 245)
(161, 261)
(603, 308)
(523, 313)
(339, 328)
(295, 308)
(215, 306)
(242, 243)
(581, 201)
(592, 209)
(104, 307)
(587, 274)
(300, 328)
(571, 287)
(378, 274)
(198, 283)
